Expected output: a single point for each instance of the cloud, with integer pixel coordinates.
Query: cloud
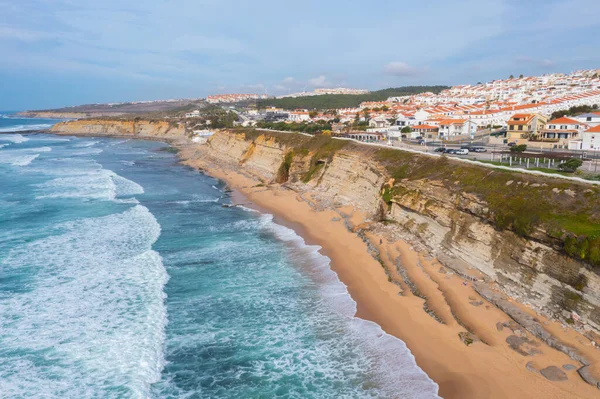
(288, 80)
(319, 81)
(401, 69)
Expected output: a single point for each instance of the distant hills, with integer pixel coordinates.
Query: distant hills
(332, 101)
(95, 110)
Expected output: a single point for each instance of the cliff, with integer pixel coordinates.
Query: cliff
(534, 237)
(125, 127)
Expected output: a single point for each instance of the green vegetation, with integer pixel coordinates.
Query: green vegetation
(284, 170)
(313, 128)
(571, 165)
(518, 148)
(519, 207)
(172, 150)
(406, 129)
(332, 101)
(573, 111)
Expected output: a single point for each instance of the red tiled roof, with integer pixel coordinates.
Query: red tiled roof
(594, 130)
(424, 127)
(563, 121)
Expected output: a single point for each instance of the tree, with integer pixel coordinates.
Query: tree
(521, 76)
(312, 114)
(571, 165)
(511, 77)
(406, 129)
(518, 148)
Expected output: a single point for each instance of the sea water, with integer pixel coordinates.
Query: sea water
(122, 275)
(11, 122)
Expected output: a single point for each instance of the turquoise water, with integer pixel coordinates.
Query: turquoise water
(123, 276)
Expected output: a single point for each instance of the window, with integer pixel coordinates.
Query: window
(520, 127)
(563, 127)
(589, 119)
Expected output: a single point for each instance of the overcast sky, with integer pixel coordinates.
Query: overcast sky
(67, 52)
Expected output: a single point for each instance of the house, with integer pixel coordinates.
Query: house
(379, 122)
(193, 114)
(456, 127)
(591, 139)
(561, 131)
(298, 116)
(366, 136)
(425, 131)
(521, 127)
(591, 119)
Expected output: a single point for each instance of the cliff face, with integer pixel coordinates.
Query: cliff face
(459, 227)
(104, 127)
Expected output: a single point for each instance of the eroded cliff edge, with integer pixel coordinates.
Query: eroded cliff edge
(142, 128)
(535, 237)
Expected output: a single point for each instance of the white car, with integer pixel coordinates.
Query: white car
(462, 151)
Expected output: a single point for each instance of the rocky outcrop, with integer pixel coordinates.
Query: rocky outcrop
(456, 226)
(117, 127)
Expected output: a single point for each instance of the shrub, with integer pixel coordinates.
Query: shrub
(571, 165)
(518, 148)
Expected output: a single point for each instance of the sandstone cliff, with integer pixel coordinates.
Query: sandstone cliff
(116, 127)
(534, 237)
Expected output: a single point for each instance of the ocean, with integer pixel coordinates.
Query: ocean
(10, 122)
(124, 274)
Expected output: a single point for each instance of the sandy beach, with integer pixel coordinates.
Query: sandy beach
(483, 369)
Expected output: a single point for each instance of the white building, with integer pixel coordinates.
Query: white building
(456, 127)
(592, 119)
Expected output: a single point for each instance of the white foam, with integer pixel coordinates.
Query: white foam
(85, 144)
(93, 184)
(85, 152)
(93, 318)
(396, 367)
(22, 156)
(21, 128)
(13, 138)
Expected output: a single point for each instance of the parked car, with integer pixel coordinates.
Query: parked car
(440, 149)
(462, 151)
(478, 149)
(420, 138)
(450, 151)
(512, 143)
(421, 141)
(465, 147)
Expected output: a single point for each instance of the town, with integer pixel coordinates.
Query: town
(552, 111)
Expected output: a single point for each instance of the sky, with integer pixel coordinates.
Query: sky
(67, 52)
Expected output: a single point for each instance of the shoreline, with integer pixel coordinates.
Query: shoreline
(481, 370)
(476, 370)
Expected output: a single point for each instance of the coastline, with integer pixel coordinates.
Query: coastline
(477, 370)
(481, 370)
